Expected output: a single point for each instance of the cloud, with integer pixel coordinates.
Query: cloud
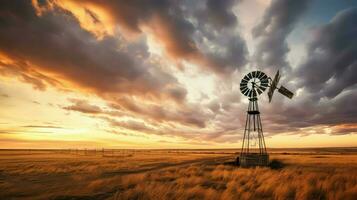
(219, 13)
(344, 129)
(4, 95)
(138, 126)
(24, 72)
(186, 114)
(332, 63)
(217, 35)
(188, 123)
(326, 78)
(149, 113)
(272, 31)
(83, 107)
(174, 25)
(56, 49)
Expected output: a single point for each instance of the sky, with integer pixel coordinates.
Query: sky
(166, 74)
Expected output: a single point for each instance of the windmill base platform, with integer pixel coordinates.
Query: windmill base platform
(253, 160)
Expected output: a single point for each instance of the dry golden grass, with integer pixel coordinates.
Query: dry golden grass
(308, 174)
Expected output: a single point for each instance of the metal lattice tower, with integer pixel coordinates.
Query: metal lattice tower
(253, 131)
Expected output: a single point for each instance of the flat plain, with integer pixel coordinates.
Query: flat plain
(320, 173)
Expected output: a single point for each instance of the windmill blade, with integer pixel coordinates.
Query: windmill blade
(258, 74)
(254, 74)
(246, 92)
(264, 77)
(259, 90)
(250, 75)
(285, 92)
(262, 89)
(246, 79)
(244, 89)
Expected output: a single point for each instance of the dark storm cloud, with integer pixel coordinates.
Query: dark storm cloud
(306, 112)
(217, 36)
(54, 43)
(327, 77)
(219, 13)
(164, 17)
(276, 24)
(340, 110)
(331, 66)
(180, 26)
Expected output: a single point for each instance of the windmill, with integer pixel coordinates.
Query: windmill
(253, 152)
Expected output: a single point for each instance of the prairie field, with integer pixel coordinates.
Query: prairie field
(321, 173)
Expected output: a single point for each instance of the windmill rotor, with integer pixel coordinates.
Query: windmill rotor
(254, 84)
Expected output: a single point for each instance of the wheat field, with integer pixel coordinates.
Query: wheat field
(329, 173)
